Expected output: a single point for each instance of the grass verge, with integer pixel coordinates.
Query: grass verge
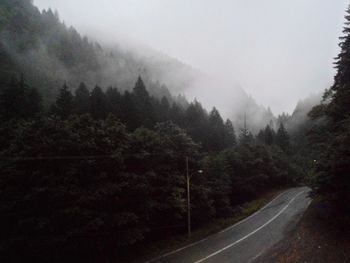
(154, 249)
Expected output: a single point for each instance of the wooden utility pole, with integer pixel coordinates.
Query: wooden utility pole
(188, 200)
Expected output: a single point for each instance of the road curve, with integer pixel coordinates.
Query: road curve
(246, 240)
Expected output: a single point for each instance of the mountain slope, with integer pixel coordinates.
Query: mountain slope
(49, 53)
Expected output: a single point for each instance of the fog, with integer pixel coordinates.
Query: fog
(277, 51)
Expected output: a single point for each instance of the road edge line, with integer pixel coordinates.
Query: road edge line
(251, 233)
(254, 214)
(224, 230)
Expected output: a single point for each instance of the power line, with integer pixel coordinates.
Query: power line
(38, 158)
(82, 157)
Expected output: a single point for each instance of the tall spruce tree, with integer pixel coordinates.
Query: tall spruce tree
(196, 123)
(143, 106)
(98, 103)
(164, 109)
(332, 140)
(64, 104)
(282, 138)
(140, 91)
(81, 99)
(269, 135)
(128, 111)
(230, 135)
(216, 130)
(339, 93)
(113, 97)
(260, 137)
(245, 136)
(176, 114)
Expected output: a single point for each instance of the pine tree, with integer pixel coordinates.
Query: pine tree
(64, 103)
(282, 138)
(216, 130)
(144, 109)
(269, 135)
(140, 91)
(98, 103)
(230, 135)
(261, 137)
(196, 123)
(215, 118)
(113, 100)
(128, 111)
(164, 109)
(338, 108)
(332, 136)
(82, 99)
(245, 136)
(177, 115)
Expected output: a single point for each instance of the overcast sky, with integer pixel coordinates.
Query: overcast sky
(279, 51)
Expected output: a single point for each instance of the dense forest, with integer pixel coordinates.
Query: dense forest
(91, 168)
(37, 44)
(49, 53)
(105, 170)
(330, 137)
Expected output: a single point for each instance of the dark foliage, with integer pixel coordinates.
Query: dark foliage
(20, 101)
(331, 136)
(96, 172)
(78, 185)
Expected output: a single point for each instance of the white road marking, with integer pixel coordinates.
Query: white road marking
(258, 255)
(229, 228)
(310, 201)
(249, 217)
(251, 233)
(177, 250)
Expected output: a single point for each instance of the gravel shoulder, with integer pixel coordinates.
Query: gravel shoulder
(315, 239)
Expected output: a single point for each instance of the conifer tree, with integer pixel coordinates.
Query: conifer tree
(64, 103)
(128, 111)
(216, 131)
(164, 109)
(245, 136)
(282, 138)
(143, 106)
(332, 137)
(98, 103)
(196, 123)
(269, 135)
(81, 99)
(140, 91)
(261, 137)
(338, 108)
(113, 97)
(176, 114)
(230, 135)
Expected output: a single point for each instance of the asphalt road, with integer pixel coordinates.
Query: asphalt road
(246, 240)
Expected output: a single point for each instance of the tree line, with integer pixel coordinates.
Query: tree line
(99, 172)
(330, 139)
(40, 45)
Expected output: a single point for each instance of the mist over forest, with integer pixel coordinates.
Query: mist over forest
(49, 53)
(103, 142)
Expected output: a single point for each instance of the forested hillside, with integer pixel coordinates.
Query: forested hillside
(93, 145)
(246, 109)
(48, 53)
(330, 136)
(105, 170)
